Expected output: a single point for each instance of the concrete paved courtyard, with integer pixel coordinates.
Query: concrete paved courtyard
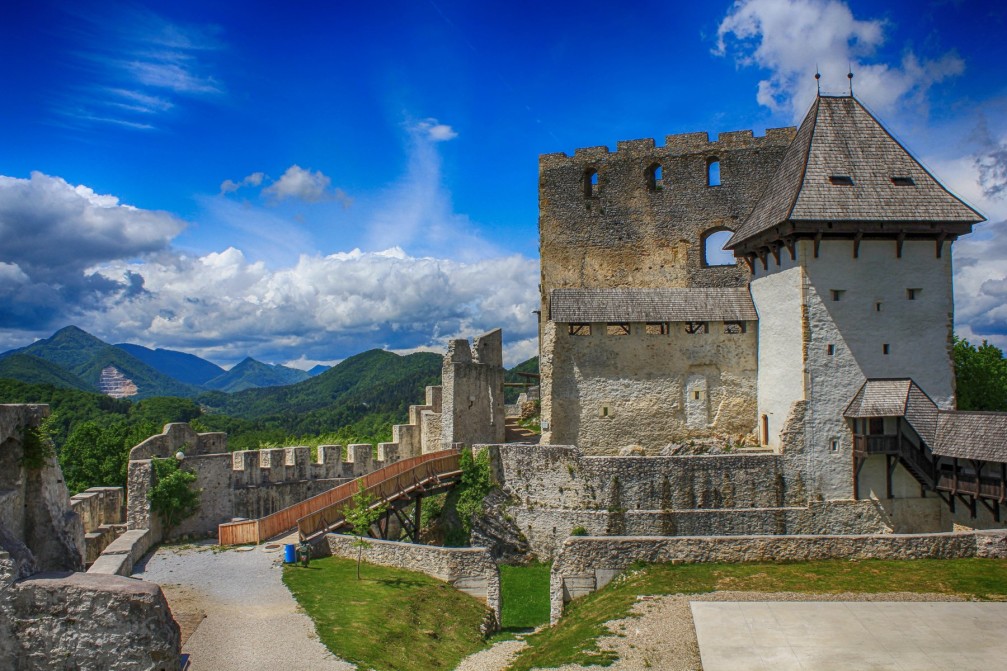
(823, 636)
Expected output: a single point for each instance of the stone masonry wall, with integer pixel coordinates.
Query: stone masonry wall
(552, 490)
(586, 564)
(472, 570)
(472, 392)
(653, 390)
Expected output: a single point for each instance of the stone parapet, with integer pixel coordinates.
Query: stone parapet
(472, 570)
(588, 563)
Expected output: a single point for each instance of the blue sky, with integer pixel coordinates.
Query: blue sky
(302, 183)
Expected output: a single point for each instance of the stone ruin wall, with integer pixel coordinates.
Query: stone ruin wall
(627, 234)
(606, 392)
(50, 614)
(472, 387)
(552, 490)
(631, 232)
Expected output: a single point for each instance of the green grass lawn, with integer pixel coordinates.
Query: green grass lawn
(524, 594)
(574, 638)
(391, 619)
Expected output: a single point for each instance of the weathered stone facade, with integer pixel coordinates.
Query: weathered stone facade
(644, 224)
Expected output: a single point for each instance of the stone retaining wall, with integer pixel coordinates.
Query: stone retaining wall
(123, 553)
(471, 570)
(589, 563)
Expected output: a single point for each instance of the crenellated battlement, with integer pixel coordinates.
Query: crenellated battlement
(254, 468)
(676, 144)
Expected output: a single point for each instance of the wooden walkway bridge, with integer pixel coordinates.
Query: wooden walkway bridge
(397, 485)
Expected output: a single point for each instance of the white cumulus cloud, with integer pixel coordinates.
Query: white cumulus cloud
(790, 37)
(301, 184)
(432, 129)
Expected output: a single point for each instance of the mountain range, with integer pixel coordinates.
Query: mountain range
(76, 359)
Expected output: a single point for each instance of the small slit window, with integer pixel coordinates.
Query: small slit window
(903, 181)
(603, 412)
(841, 180)
(620, 329)
(579, 329)
(877, 307)
(885, 348)
(913, 294)
(835, 445)
(734, 328)
(830, 350)
(590, 183)
(696, 327)
(837, 294)
(713, 172)
(655, 178)
(656, 328)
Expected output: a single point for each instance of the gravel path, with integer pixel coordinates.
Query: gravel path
(252, 622)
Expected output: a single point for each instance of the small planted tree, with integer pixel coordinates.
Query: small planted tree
(172, 496)
(361, 516)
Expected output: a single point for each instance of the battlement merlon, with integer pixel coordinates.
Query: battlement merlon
(675, 145)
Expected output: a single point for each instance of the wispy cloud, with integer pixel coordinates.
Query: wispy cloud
(135, 66)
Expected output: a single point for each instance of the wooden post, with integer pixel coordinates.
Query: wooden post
(416, 521)
(889, 467)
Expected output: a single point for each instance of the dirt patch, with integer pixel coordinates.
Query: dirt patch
(185, 603)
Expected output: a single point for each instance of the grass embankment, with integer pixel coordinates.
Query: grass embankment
(391, 619)
(525, 596)
(574, 639)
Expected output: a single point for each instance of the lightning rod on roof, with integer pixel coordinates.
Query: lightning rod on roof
(818, 80)
(850, 77)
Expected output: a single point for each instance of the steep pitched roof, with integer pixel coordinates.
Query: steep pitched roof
(651, 305)
(896, 398)
(840, 139)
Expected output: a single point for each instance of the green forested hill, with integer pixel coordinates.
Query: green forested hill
(250, 374)
(34, 370)
(85, 356)
(182, 366)
(376, 383)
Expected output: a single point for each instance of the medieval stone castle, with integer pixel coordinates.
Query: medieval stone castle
(794, 402)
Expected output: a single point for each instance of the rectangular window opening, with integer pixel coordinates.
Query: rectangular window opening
(841, 180)
(734, 328)
(885, 348)
(835, 445)
(656, 328)
(830, 350)
(620, 329)
(903, 181)
(579, 329)
(696, 327)
(877, 307)
(913, 294)
(837, 294)
(604, 411)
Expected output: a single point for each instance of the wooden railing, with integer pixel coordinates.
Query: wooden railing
(875, 444)
(425, 467)
(386, 487)
(966, 483)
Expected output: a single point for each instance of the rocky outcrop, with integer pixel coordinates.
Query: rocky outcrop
(495, 530)
(85, 621)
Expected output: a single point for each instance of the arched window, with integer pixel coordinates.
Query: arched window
(714, 253)
(590, 183)
(655, 179)
(713, 172)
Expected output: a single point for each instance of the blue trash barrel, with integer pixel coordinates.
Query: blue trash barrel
(290, 553)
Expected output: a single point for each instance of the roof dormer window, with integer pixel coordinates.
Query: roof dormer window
(841, 180)
(903, 181)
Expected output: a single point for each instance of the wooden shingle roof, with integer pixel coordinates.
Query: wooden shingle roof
(843, 166)
(972, 435)
(651, 305)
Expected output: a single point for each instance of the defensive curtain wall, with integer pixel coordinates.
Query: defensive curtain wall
(637, 220)
(50, 613)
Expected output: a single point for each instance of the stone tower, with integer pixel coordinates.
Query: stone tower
(850, 254)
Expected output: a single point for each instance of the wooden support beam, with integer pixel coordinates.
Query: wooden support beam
(791, 247)
(858, 463)
(991, 506)
(889, 468)
(940, 244)
(417, 524)
(762, 257)
(775, 251)
(750, 260)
